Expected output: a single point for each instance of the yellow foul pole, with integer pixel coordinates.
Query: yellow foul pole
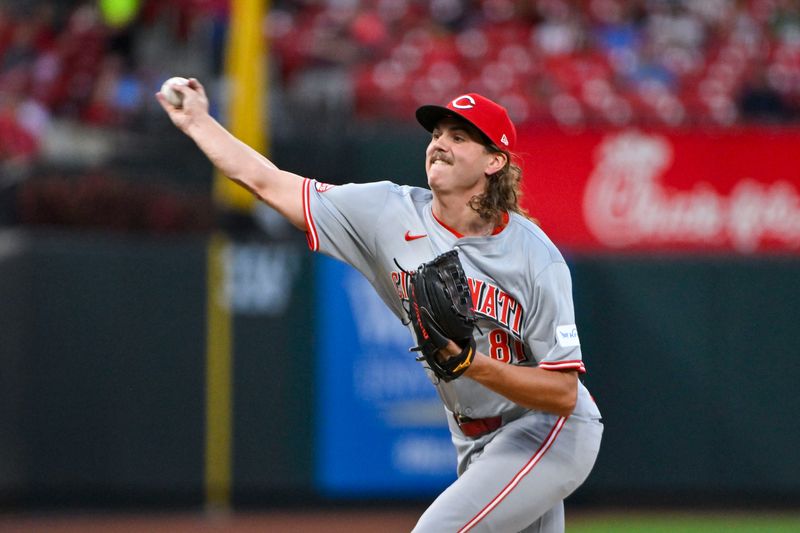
(246, 77)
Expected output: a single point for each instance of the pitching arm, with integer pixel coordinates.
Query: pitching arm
(279, 189)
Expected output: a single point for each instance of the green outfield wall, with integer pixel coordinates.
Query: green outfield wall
(102, 369)
(693, 362)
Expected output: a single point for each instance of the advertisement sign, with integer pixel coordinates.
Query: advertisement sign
(381, 428)
(726, 191)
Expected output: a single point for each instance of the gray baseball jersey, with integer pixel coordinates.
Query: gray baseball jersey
(516, 475)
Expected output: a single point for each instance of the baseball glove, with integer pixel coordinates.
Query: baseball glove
(440, 310)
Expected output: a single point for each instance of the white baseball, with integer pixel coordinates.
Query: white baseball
(173, 97)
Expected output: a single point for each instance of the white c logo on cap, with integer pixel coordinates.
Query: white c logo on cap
(458, 103)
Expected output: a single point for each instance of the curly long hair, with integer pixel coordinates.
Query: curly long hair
(503, 190)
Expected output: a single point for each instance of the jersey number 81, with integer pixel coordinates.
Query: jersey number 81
(505, 349)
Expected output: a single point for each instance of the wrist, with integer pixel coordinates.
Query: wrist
(199, 124)
(477, 367)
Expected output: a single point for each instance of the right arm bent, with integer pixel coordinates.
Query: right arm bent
(277, 188)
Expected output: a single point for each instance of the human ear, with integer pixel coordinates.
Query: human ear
(496, 163)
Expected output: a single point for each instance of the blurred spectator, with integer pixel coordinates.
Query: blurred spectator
(117, 94)
(759, 102)
(21, 126)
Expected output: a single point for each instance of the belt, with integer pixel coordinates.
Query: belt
(477, 427)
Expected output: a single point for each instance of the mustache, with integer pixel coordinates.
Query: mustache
(440, 156)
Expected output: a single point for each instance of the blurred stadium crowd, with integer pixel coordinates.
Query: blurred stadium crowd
(76, 86)
(72, 72)
(605, 62)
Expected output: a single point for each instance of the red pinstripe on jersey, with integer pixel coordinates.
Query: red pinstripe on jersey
(564, 365)
(548, 442)
(311, 229)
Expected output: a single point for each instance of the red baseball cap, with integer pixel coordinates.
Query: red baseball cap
(489, 117)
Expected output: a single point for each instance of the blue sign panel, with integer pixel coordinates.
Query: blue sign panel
(381, 429)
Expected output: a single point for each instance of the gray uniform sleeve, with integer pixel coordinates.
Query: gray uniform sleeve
(342, 221)
(551, 332)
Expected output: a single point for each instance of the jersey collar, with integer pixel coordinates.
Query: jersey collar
(497, 229)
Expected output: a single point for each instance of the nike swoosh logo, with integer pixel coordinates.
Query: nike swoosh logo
(410, 237)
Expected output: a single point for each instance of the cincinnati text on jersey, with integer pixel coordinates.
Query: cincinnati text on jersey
(488, 300)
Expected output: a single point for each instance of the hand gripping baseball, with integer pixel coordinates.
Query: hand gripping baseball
(440, 310)
(194, 104)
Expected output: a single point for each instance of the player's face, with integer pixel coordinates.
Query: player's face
(456, 159)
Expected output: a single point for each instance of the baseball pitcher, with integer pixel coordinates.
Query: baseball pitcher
(486, 295)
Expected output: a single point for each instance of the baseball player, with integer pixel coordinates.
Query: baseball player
(525, 429)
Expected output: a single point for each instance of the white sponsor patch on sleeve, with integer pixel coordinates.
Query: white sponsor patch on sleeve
(568, 336)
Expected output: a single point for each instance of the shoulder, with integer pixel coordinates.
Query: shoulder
(377, 187)
(415, 194)
(543, 259)
(363, 195)
(533, 241)
(373, 199)
(396, 194)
